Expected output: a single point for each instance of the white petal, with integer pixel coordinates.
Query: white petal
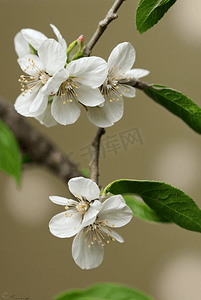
(122, 57)
(62, 200)
(126, 90)
(46, 117)
(33, 37)
(90, 71)
(65, 224)
(84, 187)
(65, 112)
(111, 112)
(54, 82)
(135, 73)
(59, 37)
(90, 215)
(88, 96)
(113, 234)
(21, 45)
(24, 101)
(30, 64)
(115, 212)
(85, 257)
(39, 104)
(97, 205)
(98, 117)
(52, 55)
(114, 109)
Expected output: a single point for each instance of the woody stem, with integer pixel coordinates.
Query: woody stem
(94, 169)
(111, 15)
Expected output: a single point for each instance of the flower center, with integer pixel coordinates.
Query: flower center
(67, 90)
(38, 78)
(82, 207)
(110, 86)
(98, 232)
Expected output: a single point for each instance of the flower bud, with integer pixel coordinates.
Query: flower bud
(80, 40)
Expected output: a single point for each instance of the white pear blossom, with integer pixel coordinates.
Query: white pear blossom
(80, 212)
(39, 69)
(120, 63)
(88, 245)
(77, 83)
(35, 38)
(92, 219)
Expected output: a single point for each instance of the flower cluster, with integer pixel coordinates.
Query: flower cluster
(91, 218)
(55, 85)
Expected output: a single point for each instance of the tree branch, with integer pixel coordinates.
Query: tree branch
(94, 173)
(111, 15)
(35, 145)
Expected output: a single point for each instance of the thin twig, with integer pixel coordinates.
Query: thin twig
(111, 15)
(135, 83)
(94, 172)
(42, 151)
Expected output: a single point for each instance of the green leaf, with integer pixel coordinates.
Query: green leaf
(164, 199)
(104, 291)
(70, 48)
(33, 50)
(26, 159)
(10, 157)
(85, 173)
(142, 211)
(149, 12)
(177, 103)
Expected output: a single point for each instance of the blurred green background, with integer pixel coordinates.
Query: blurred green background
(162, 260)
